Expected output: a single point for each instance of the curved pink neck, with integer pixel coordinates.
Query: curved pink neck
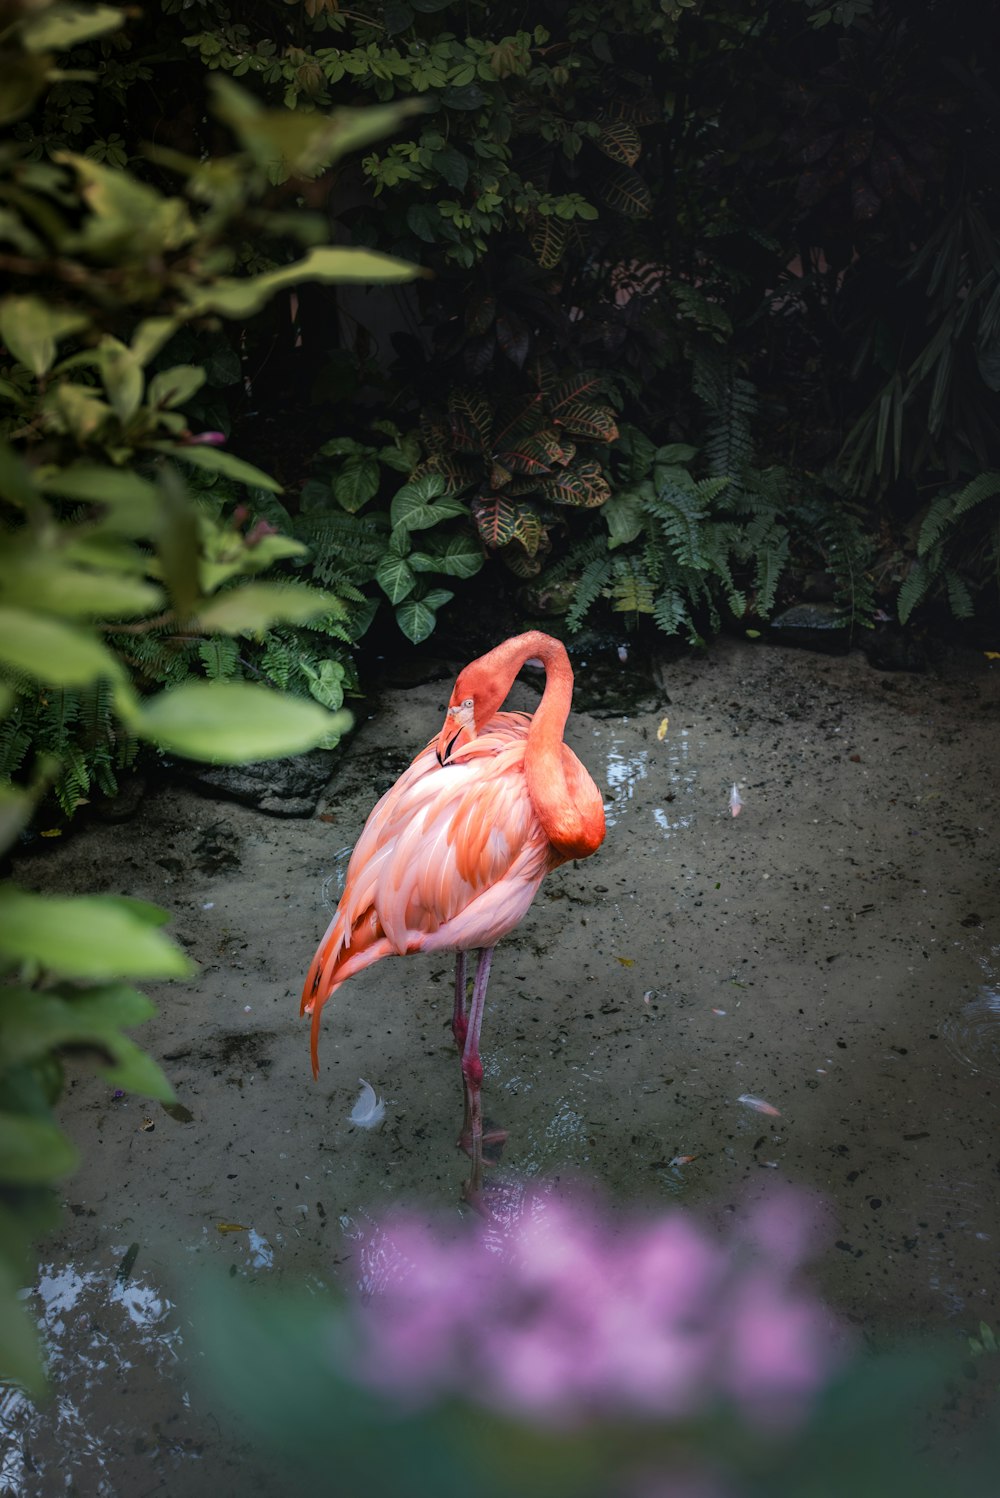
(544, 764)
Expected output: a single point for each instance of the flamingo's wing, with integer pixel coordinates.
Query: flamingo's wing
(450, 857)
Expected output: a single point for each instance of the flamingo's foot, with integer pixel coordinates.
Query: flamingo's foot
(494, 1139)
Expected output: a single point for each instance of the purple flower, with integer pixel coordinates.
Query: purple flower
(563, 1313)
(204, 439)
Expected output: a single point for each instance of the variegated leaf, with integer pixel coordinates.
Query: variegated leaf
(516, 417)
(458, 473)
(500, 476)
(533, 455)
(583, 486)
(624, 191)
(528, 529)
(471, 418)
(494, 519)
(577, 387)
(583, 420)
(547, 236)
(434, 433)
(620, 141)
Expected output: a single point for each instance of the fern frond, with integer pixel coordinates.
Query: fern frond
(592, 582)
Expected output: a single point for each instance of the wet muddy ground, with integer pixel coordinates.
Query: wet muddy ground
(832, 952)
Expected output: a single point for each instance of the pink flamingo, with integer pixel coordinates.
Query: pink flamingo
(452, 855)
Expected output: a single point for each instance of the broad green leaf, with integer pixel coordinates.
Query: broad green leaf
(326, 263)
(178, 542)
(31, 329)
(17, 480)
(77, 410)
(123, 378)
(357, 482)
(625, 518)
(35, 1022)
(86, 936)
(22, 79)
(213, 460)
(231, 722)
(62, 26)
(254, 607)
(132, 503)
(327, 683)
(416, 619)
(53, 652)
(676, 452)
(395, 576)
(422, 503)
(172, 387)
(125, 213)
(19, 1355)
(47, 583)
(33, 1150)
(150, 336)
(461, 556)
(304, 141)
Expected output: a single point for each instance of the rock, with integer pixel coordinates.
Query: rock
(812, 626)
(288, 787)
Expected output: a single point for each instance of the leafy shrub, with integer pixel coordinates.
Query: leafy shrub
(115, 576)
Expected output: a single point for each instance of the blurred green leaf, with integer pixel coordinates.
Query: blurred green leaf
(31, 329)
(251, 609)
(131, 502)
(34, 1023)
(230, 722)
(52, 652)
(49, 583)
(60, 27)
(213, 460)
(241, 298)
(86, 936)
(172, 387)
(33, 1150)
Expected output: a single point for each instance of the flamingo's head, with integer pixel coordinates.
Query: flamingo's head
(476, 696)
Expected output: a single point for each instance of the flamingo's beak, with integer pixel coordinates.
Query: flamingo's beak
(459, 727)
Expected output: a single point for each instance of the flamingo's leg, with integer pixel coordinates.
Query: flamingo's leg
(460, 1028)
(459, 1018)
(472, 1075)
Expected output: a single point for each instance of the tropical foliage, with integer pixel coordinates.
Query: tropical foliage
(124, 565)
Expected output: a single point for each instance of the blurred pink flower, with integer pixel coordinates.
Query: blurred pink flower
(203, 439)
(563, 1313)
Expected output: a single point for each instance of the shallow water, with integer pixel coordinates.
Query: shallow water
(832, 954)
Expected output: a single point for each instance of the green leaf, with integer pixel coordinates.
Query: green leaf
(395, 576)
(173, 387)
(31, 329)
(326, 263)
(231, 722)
(86, 936)
(34, 1023)
(213, 460)
(33, 1150)
(123, 378)
(131, 501)
(46, 583)
(422, 503)
(303, 141)
(52, 652)
(453, 166)
(22, 79)
(357, 482)
(461, 556)
(254, 607)
(624, 516)
(417, 617)
(60, 27)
